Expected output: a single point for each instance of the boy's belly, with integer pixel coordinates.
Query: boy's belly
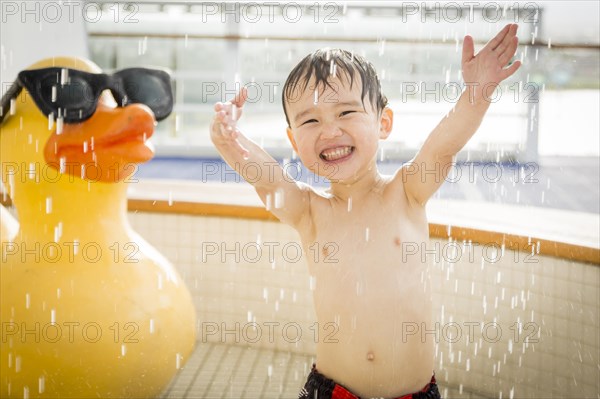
(378, 362)
(373, 344)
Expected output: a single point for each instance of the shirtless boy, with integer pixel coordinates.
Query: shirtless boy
(336, 116)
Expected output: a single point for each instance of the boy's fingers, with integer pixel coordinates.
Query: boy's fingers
(510, 70)
(509, 52)
(508, 41)
(240, 98)
(492, 44)
(468, 49)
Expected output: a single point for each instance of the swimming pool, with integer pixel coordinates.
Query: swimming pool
(512, 324)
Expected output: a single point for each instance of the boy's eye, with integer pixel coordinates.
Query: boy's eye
(346, 113)
(309, 121)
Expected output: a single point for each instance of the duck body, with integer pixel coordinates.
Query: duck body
(87, 307)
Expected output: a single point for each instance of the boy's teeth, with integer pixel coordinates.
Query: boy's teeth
(336, 153)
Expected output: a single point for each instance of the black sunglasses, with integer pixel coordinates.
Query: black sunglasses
(73, 95)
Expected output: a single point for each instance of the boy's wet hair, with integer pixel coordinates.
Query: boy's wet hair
(347, 64)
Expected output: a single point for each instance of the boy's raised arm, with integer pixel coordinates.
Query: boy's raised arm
(285, 198)
(481, 73)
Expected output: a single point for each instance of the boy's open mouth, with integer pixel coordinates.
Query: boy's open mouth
(337, 153)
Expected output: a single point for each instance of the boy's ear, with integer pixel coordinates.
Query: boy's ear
(386, 123)
(291, 138)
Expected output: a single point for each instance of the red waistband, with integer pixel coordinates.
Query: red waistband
(339, 392)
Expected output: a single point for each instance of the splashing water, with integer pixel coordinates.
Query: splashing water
(59, 124)
(41, 384)
(64, 77)
(382, 48)
(268, 202)
(13, 107)
(312, 283)
(279, 199)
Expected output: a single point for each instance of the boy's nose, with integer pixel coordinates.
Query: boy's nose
(329, 131)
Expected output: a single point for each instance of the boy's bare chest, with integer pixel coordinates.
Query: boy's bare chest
(366, 232)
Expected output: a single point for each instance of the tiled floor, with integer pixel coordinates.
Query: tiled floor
(238, 372)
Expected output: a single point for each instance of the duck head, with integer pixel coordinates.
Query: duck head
(102, 148)
(73, 158)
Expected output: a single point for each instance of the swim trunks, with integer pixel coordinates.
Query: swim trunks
(320, 387)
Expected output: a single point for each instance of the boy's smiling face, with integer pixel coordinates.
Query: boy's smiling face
(332, 133)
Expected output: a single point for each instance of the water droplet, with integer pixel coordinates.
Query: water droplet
(279, 199)
(57, 232)
(270, 370)
(13, 107)
(268, 202)
(123, 350)
(41, 384)
(152, 326)
(64, 76)
(366, 234)
(48, 205)
(50, 120)
(178, 359)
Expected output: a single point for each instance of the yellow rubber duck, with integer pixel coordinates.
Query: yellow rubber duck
(88, 309)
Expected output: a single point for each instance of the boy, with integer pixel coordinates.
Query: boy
(336, 115)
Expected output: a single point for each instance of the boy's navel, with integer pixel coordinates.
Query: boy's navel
(370, 356)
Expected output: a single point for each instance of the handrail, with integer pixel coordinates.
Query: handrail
(515, 242)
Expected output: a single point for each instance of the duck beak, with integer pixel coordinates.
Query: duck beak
(107, 147)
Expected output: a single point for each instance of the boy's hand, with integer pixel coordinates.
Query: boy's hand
(227, 114)
(485, 70)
